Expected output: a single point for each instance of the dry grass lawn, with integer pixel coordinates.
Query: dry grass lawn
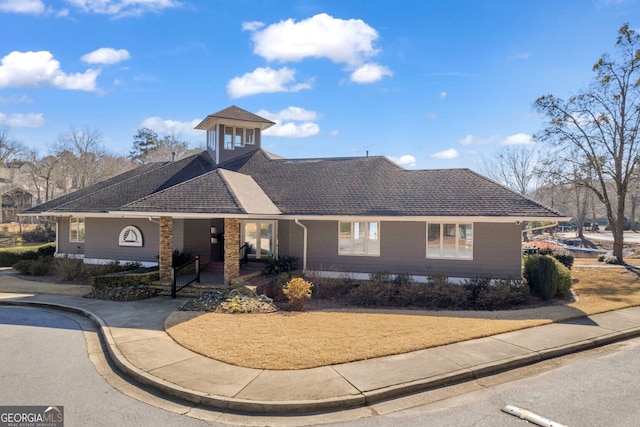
(316, 338)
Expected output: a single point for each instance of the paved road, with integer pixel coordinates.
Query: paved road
(595, 388)
(44, 361)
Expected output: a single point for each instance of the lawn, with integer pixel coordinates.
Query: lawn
(287, 340)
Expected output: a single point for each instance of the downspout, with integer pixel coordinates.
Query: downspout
(304, 245)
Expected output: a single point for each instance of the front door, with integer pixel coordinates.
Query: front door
(260, 238)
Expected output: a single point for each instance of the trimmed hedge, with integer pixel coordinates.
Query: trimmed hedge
(124, 279)
(10, 256)
(547, 277)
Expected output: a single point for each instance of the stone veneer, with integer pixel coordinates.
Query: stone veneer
(231, 249)
(166, 247)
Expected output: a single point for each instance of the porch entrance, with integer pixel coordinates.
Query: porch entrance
(259, 237)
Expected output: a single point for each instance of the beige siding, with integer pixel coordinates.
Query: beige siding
(496, 253)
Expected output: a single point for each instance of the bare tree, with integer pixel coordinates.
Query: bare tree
(597, 130)
(42, 171)
(80, 154)
(514, 166)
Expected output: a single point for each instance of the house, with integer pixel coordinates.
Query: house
(357, 215)
(15, 201)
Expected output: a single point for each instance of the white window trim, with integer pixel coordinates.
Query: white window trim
(366, 241)
(457, 240)
(77, 222)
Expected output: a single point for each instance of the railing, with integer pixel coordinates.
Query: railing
(183, 276)
(244, 256)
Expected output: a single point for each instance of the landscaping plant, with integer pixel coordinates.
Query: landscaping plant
(541, 273)
(298, 291)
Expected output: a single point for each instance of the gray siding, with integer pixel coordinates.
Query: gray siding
(496, 252)
(101, 240)
(64, 245)
(197, 238)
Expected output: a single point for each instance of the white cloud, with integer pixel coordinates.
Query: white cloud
(290, 113)
(321, 36)
(121, 8)
(29, 120)
(265, 80)
(286, 122)
(22, 6)
(370, 73)
(14, 99)
(471, 139)
(407, 160)
(36, 69)
(343, 41)
(106, 55)
(334, 133)
(172, 127)
(431, 115)
(517, 139)
(443, 95)
(293, 130)
(449, 154)
(252, 26)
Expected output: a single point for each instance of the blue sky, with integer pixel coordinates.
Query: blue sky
(431, 84)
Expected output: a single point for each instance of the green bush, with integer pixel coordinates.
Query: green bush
(565, 257)
(10, 256)
(542, 276)
(564, 280)
(497, 294)
(282, 264)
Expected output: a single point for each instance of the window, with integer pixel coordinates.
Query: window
(450, 241)
(76, 229)
(250, 136)
(359, 238)
(238, 141)
(211, 139)
(228, 138)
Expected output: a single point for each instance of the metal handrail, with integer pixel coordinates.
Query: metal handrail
(185, 275)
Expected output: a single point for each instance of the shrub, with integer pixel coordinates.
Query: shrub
(329, 288)
(282, 264)
(496, 294)
(69, 269)
(9, 257)
(542, 276)
(564, 280)
(273, 288)
(565, 257)
(370, 293)
(37, 267)
(297, 291)
(611, 259)
(179, 258)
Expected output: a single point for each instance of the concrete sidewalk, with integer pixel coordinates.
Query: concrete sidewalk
(133, 333)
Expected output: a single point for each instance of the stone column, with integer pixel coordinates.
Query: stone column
(166, 247)
(231, 249)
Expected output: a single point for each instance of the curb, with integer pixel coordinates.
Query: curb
(328, 404)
